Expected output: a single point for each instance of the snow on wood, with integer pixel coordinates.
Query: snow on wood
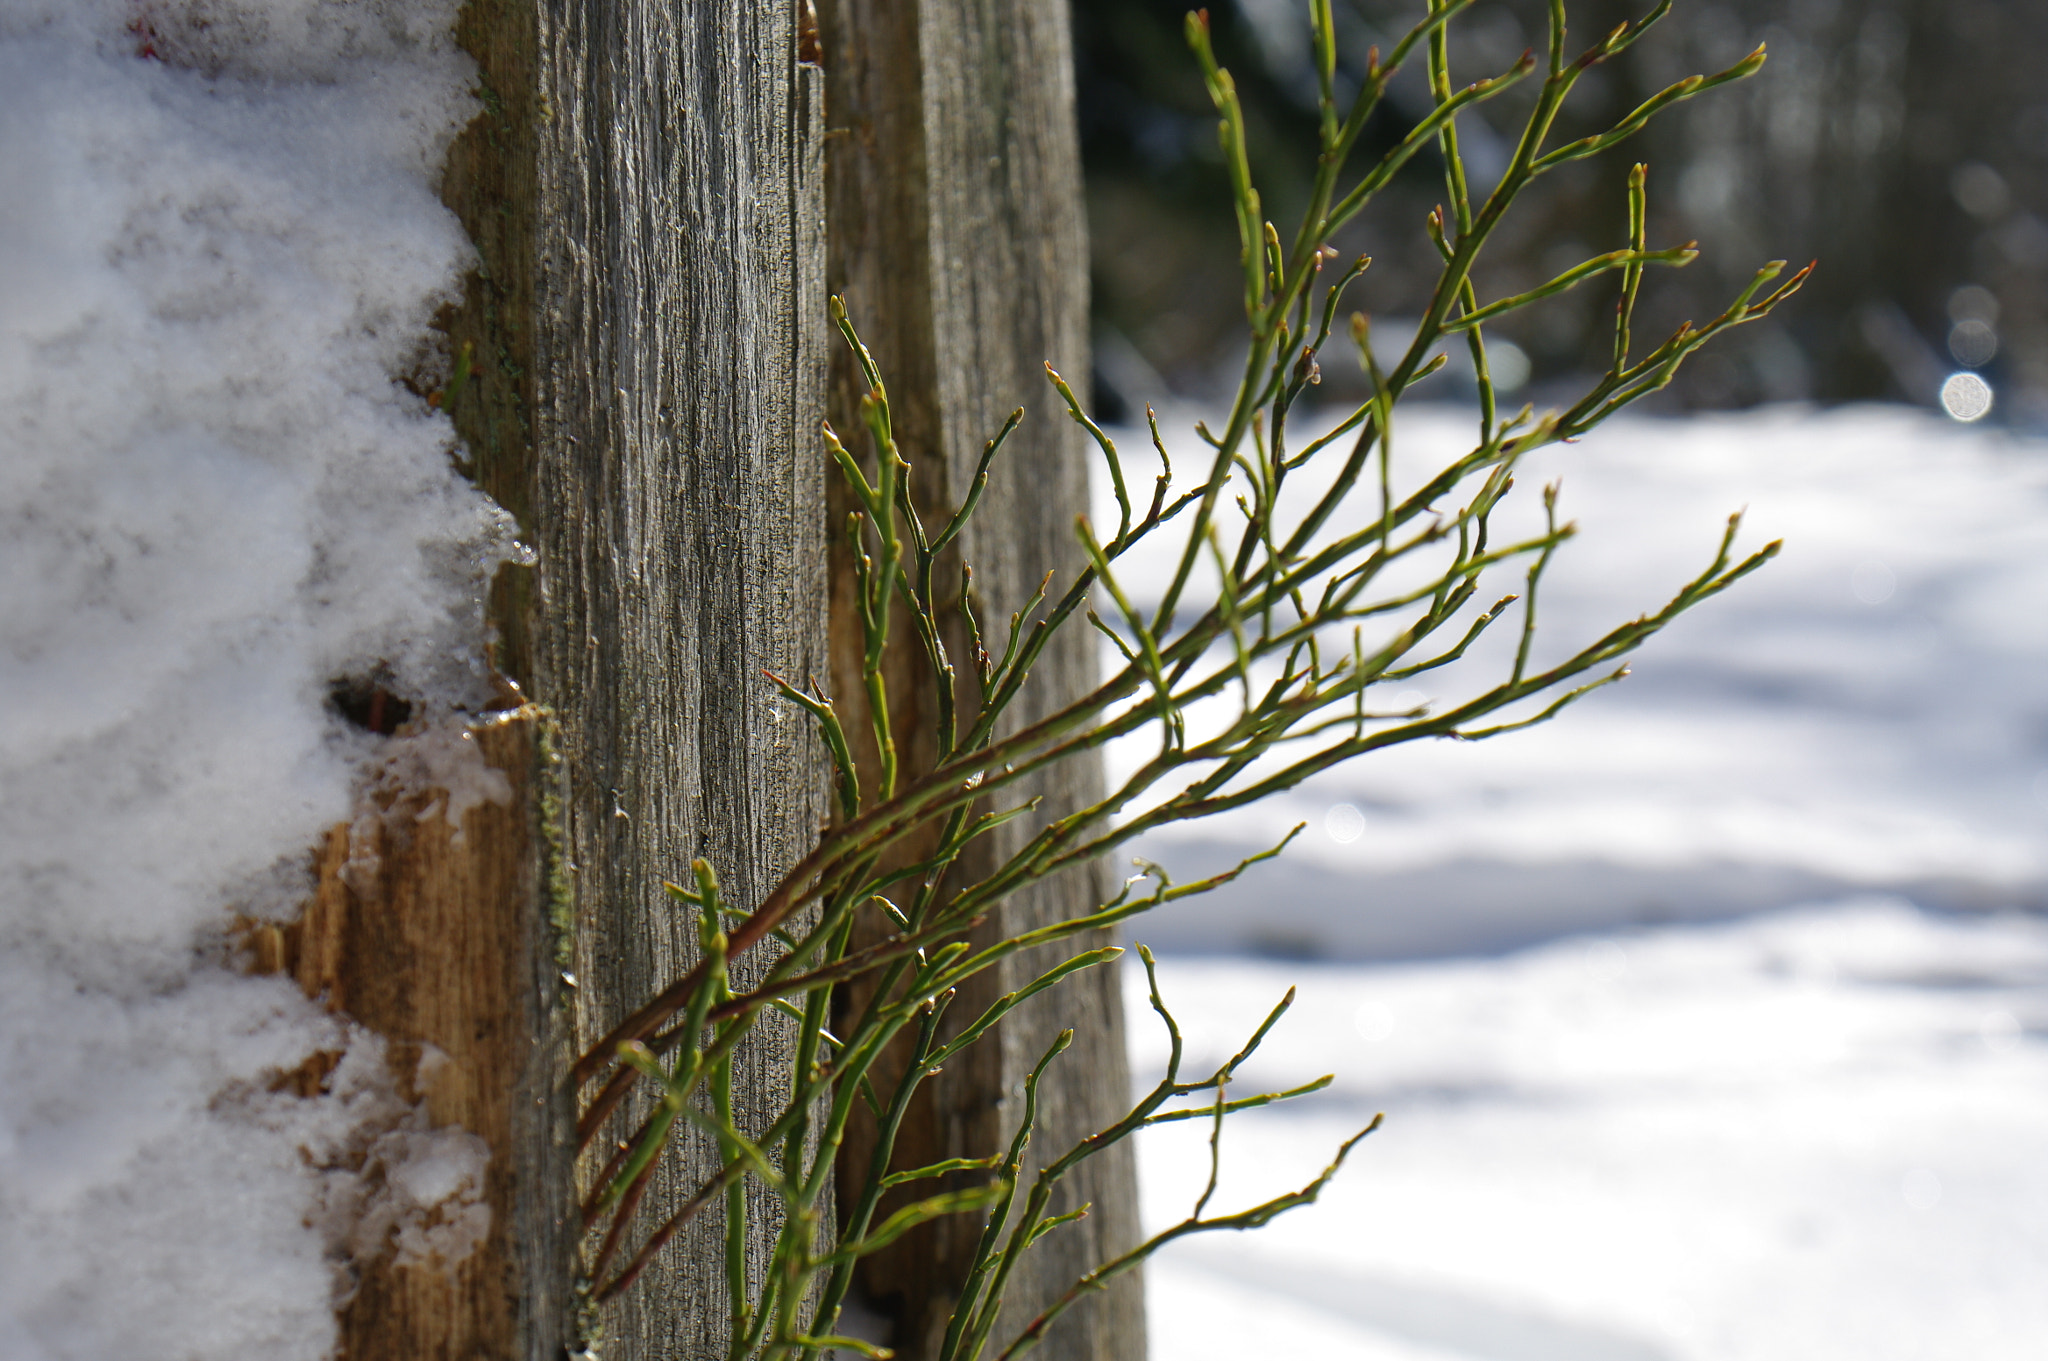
(220, 494)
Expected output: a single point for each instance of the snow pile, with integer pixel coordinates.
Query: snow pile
(219, 245)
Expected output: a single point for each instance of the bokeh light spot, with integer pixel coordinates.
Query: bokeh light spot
(1980, 191)
(1973, 343)
(1344, 822)
(1966, 397)
(1973, 302)
(2000, 1031)
(1507, 364)
(1872, 582)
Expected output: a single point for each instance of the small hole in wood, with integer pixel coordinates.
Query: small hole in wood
(368, 703)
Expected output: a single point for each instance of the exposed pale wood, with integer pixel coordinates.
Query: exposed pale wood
(957, 239)
(430, 940)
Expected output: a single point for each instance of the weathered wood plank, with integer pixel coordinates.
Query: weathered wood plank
(490, 182)
(645, 191)
(678, 503)
(957, 239)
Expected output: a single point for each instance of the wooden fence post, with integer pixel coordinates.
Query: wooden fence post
(958, 241)
(645, 345)
(678, 380)
(645, 342)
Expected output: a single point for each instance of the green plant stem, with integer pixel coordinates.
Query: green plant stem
(1313, 611)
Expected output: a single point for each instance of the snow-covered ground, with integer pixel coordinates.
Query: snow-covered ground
(1868, 712)
(1707, 1020)
(1809, 1134)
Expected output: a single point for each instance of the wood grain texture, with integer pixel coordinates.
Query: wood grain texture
(490, 180)
(644, 187)
(678, 498)
(425, 934)
(957, 239)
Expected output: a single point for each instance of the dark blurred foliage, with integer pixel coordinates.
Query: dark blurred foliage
(1903, 143)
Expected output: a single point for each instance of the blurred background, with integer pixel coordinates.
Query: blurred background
(1900, 142)
(1710, 1021)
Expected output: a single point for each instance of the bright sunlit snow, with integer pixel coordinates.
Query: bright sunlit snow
(220, 247)
(1867, 712)
(1810, 1134)
(1706, 1020)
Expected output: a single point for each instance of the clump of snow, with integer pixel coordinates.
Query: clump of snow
(436, 1185)
(219, 245)
(442, 762)
(445, 759)
(417, 1192)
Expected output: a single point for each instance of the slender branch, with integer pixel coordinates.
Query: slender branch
(1319, 601)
